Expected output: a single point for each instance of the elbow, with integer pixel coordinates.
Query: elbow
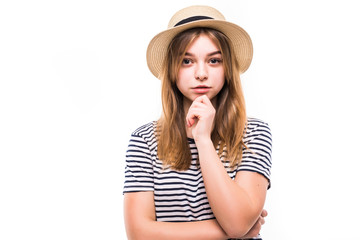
(236, 229)
(135, 235)
(241, 224)
(236, 233)
(132, 235)
(137, 232)
(142, 230)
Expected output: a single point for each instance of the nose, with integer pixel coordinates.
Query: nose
(201, 72)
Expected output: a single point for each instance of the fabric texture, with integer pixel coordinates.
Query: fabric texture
(180, 195)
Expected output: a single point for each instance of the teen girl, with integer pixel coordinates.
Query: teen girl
(202, 170)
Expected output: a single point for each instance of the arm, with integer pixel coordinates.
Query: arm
(140, 222)
(236, 204)
(139, 204)
(255, 230)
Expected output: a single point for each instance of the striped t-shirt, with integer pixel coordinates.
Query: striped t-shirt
(180, 195)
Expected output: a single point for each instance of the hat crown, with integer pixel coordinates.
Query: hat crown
(197, 12)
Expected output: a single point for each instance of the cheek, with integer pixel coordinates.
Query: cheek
(180, 84)
(219, 77)
(182, 77)
(222, 73)
(183, 73)
(220, 85)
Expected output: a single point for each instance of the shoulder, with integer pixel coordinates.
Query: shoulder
(145, 129)
(257, 155)
(256, 128)
(145, 133)
(255, 124)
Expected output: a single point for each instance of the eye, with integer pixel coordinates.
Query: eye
(186, 61)
(215, 60)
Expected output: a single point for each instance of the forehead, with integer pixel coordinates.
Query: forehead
(203, 44)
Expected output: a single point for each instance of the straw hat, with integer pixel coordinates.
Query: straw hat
(199, 16)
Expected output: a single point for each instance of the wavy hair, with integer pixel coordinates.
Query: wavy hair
(230, 118)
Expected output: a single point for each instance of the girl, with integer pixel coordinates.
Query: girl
(202, 170)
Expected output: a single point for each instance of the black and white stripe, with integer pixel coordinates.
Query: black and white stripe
(180, 195)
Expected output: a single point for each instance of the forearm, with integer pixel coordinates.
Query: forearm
(140, 222)
(149, 229)
(231, 205)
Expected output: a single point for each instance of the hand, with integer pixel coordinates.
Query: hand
(200, 118)
(255, 230)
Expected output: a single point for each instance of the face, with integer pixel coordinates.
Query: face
(201, 71)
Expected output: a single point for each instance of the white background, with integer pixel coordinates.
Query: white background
(74, 84)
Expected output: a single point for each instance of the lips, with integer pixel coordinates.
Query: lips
(201, 89)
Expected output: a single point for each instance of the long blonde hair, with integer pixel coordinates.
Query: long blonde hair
(230, 119)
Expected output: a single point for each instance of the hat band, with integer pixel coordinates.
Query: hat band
(192, 19)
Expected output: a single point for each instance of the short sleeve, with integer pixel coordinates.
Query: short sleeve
(139, 174)
(257, 156)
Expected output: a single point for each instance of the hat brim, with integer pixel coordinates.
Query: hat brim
(239, 38)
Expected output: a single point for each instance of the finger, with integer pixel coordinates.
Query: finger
(261, 220)
(264, 213)
(190, 122)
(192, 116)
(190, 119)
(203, 99)
(196, 110)
(197, 105)
(254, 231)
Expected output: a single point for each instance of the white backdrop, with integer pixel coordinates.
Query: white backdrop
(74, 84)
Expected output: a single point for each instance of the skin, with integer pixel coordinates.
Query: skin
(237, 204)
(202, 66)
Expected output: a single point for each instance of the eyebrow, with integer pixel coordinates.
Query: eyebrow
(210, 54)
